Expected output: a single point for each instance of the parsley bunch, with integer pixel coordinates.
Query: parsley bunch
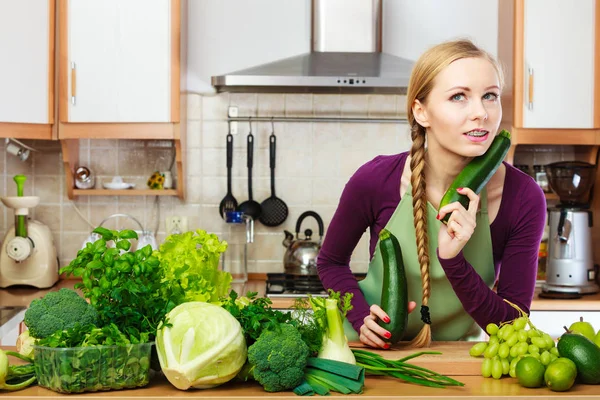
(256, 316)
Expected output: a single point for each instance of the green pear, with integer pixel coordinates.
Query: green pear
(597, 339)
(583, 328)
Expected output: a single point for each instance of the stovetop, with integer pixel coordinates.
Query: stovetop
(289, 285)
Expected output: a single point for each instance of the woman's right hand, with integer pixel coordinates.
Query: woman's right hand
(371, 333)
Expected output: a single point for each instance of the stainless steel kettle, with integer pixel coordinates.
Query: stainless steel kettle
(300, 257)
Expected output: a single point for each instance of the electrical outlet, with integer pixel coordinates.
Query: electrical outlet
(176, 224)
(232, 112)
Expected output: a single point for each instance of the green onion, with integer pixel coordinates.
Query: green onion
(376, 364)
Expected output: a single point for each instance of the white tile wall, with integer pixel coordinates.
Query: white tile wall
(314, 162)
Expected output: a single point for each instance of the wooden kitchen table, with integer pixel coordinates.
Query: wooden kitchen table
(454, 361)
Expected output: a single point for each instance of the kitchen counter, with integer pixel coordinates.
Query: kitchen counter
(22, 296)
(454, 361)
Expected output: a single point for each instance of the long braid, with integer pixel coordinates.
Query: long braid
(417, 179)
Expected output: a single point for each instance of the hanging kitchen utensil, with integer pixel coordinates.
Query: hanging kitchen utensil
(229, 203)
(274, 210)
(250, 207)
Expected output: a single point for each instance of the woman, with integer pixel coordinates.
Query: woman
(454, 111)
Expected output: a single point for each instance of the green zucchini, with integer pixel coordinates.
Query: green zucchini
(394, 293)
(478, 172)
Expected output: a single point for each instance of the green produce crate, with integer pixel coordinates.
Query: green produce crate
(90, 369)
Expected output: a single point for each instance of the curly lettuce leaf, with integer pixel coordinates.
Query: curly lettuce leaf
(190, 263)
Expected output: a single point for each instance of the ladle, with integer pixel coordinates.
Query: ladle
(250, 207)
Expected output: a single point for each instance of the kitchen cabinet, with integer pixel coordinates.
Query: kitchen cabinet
(116, 64)
(556, 72)
(27, 70)
(119, 78)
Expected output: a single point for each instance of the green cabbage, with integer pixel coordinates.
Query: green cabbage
(204, 347)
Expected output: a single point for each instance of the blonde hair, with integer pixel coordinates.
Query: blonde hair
(425, 70)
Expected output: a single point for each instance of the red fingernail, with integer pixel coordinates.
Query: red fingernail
(388, 335)
(459, 189)
(387, 346)
(387, 320)
(438, 216)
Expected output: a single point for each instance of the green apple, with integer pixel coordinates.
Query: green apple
(597, 338)
(583, 328)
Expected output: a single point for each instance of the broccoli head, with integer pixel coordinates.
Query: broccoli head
(278, 358)
(57, 311)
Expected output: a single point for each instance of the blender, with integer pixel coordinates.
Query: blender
(28, 255)
(570, 267)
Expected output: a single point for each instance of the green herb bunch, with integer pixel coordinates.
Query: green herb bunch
(256, 316)
(123, 286)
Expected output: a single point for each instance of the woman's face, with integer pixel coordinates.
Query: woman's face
(462, 112)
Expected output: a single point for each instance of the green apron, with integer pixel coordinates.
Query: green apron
(449, 320)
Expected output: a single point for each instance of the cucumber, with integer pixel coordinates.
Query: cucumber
(584, 353)
(478, 172)
(394, 293)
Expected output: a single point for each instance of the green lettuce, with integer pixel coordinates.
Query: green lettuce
(190, 264)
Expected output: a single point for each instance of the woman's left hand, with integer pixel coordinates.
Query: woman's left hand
(456, 233)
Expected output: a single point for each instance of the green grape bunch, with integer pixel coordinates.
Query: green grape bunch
(510, 342)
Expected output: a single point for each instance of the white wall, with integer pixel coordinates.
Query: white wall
(410, 27)
(229, 35)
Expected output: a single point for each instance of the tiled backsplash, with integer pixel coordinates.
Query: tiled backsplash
(314, 162)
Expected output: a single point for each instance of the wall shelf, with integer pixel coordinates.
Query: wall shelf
(70, 153)
(127, 192)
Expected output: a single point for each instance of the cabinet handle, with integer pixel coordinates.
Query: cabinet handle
(73, 83)
(530, 94)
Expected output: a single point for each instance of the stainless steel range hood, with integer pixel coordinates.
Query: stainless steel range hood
(346, 57)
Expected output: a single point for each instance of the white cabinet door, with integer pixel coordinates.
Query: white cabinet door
(25, 54)
(558, 64)
(121, 55)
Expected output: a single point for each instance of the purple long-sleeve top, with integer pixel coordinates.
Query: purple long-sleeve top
(370, 198)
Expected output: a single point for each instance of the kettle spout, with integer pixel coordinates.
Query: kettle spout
(289, 237)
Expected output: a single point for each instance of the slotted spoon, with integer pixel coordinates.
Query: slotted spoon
(229, 203)
(274, 210)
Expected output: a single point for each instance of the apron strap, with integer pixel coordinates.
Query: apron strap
(483, 202)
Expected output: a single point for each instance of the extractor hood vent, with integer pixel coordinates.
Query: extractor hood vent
(346, 57)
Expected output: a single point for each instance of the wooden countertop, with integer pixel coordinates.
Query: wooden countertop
(22, 296)
(375, 388)
(454, 361)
